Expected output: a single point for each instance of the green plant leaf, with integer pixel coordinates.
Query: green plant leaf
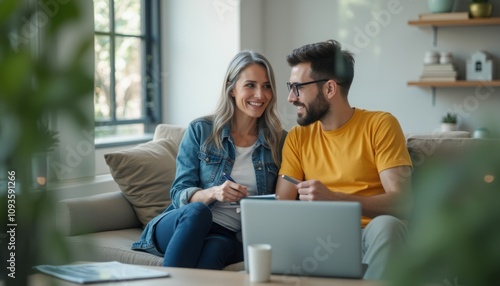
(7, 8)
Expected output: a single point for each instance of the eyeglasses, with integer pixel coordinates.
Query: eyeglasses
(295, 86)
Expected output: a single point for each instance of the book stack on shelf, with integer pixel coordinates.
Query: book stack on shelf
(438, 66)
(444, 16)
(439, 72)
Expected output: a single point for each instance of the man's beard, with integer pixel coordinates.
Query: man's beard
(315, 111)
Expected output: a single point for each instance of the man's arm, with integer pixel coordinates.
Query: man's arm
(397, 183)
(286, 190)
(397, 198)
(395, 201)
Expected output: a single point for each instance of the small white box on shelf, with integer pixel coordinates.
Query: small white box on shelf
(479, 67)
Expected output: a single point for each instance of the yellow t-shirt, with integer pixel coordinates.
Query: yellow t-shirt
(350, 158)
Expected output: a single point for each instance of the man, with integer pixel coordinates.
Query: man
(341, 153)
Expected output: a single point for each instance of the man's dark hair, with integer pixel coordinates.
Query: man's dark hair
(328, 60)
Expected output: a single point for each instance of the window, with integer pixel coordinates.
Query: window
(127, 68)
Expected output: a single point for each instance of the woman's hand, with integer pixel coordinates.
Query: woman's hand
(229, 192)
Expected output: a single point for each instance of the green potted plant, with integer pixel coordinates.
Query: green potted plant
(480, 8)
(449, 122)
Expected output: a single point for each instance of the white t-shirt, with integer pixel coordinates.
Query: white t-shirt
(243, 173)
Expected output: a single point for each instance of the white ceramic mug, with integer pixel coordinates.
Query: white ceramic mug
(259, 262)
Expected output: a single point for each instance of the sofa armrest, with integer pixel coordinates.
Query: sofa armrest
(103, 212)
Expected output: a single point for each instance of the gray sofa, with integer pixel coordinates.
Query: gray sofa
(102, 227)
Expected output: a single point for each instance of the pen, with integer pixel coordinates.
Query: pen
(232, 180)
(228, 177)
(291, 180)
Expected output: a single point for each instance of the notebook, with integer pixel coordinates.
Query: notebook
(100, 272)
(307, 238)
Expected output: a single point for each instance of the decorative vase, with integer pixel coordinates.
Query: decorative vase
(440, 6)
(481, 133)
(446, 127)
(480, 10)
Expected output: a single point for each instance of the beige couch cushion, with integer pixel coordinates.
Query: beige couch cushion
(169, 131)
(144, 175)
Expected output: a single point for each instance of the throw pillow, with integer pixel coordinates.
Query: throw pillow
(144, 174)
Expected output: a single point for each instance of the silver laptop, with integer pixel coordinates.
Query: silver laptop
(307, 238)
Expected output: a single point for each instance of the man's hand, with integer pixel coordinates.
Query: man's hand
(314, 190)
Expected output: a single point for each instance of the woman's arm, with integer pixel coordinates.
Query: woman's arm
(187, 186)
(186, 181)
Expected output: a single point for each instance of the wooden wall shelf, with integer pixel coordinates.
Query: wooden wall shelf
(468, 22)
(435, 24)
(458, 83)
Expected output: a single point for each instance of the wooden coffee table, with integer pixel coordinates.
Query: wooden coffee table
(197, 277)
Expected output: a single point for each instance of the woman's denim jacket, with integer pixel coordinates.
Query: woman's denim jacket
(200, 166)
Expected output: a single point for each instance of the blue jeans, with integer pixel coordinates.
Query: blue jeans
(188, 238)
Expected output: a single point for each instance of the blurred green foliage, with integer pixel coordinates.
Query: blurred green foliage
(35, 85)
(454, 231)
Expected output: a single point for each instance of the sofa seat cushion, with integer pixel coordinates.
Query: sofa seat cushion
(144, 174)
(115, 246)
(111, 245)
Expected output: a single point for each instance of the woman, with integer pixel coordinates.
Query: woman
(223, 157)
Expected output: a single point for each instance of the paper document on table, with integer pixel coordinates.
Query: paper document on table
(100, 272)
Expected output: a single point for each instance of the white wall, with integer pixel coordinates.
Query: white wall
(388, 53)
(252, 25)
(199, 39)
